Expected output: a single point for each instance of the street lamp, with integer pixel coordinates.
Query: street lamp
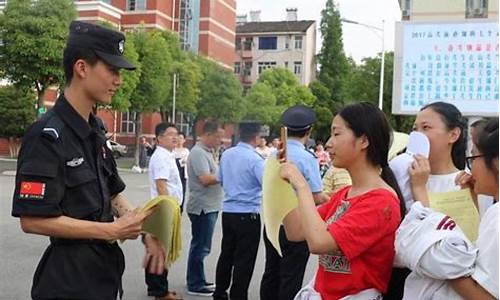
(381, 84)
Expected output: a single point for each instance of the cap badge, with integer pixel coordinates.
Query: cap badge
(121, 46)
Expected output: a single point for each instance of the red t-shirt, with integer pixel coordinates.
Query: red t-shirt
(364, 228)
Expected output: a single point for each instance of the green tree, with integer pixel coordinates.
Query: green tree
(16, 114)
(275, 91)
(363, 85)
(33, 35)
(220, 93)
(332, 59)
(154, 84)
(188, 76)
(262, 104)
(130, 79)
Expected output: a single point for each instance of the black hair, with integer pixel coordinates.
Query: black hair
(453, 118)
(210, 127)
(365, 119)
(71, 55)
(487, 142)
(249, 130)
(182, 133)
(298, 133)
(162, 127)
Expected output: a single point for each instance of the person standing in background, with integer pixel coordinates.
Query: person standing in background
(240, 174)
(204, 202)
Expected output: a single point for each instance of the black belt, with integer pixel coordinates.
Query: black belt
(62, 241)
(251, 216)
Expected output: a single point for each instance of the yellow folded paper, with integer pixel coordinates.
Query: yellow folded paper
(278, 199)
(165, 225)
(460, 207)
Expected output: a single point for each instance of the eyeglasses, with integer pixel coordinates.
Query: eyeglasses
(470, 159)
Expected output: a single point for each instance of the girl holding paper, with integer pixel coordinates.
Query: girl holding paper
(444, 126)
(353, 233)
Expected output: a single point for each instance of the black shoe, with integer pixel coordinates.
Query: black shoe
(204, 292)
(209, 285)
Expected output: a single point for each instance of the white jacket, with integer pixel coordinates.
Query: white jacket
(435, 249)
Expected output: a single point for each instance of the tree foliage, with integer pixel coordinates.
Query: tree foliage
(154, 85)
(363, 85)
(220, 93)
(332, 59)
(34, 35)
(276, 90)
(130, 79)
(16, 111)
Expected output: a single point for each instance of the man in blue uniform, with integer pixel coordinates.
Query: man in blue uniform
(240, 174)
(67, 184)
(283, 276)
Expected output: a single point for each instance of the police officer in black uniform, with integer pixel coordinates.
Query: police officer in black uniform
(67, 184)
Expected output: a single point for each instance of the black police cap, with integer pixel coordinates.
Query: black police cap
(107, 44)
(298, 117)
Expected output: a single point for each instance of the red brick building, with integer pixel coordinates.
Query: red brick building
(206, 27)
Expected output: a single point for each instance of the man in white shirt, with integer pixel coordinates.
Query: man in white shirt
(164, 179)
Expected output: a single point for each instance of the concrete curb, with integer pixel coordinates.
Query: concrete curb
(9, 173)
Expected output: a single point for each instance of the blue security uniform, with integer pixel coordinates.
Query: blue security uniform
(283, 276)
(240, 173)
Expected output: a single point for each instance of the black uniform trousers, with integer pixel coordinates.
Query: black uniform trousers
(283, 276)
(240, 243)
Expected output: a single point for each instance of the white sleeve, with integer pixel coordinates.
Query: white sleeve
(160, 169)
(486, 272)
(449, 258)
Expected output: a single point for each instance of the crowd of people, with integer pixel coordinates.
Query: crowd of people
(357, 219)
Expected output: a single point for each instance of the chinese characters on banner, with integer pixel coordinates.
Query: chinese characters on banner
(456, 63)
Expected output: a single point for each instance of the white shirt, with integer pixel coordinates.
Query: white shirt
(162, 166)
(486, 272)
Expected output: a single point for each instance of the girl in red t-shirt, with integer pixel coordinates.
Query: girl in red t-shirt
(353, 233)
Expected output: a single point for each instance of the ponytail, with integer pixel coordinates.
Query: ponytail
(389, 178)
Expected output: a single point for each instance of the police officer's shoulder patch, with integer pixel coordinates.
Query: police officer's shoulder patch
(53, 127)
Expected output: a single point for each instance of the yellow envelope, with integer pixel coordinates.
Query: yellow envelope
(164, 224)
(460, 207)
(278, 199)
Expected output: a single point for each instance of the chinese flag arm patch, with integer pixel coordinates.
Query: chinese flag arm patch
(33, 190)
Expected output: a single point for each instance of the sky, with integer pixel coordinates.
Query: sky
(359, 41)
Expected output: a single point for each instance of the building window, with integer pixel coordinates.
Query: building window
(268, 43)
(263, 65)
(286, 65)
(298, 42)
(297, 67)
(128, 124)
(237, 44)
(406, 9)
(237, 67)
(247, 45)
(476, 8)
(136, 5)
(247, 71)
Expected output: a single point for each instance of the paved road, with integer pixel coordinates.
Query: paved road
(19, 252)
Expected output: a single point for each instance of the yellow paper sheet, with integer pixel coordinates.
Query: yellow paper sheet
(164, 224)
(278, 199)
(460, 207)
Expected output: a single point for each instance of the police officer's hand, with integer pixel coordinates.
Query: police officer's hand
(129, 226)
(154, 258)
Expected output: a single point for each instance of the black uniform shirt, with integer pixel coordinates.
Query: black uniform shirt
(65, 168)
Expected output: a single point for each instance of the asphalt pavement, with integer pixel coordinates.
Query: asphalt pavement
(20, 252)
